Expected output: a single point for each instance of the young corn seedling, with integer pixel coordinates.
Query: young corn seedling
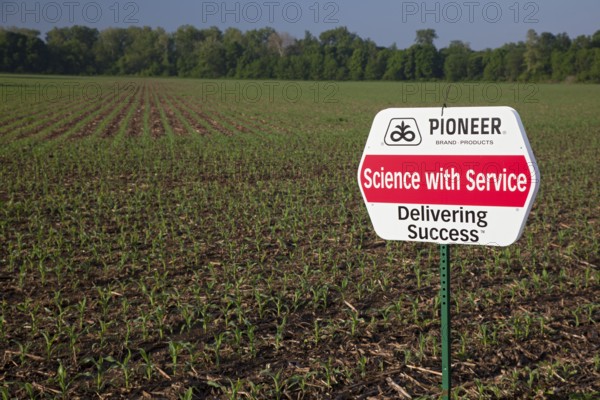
(217, 347)
(317, 332)
(188, 315)
(61, 379)
(238, 335)
(279, 333)
(2, 328)
(278, 384)
(147, 364)
(234, 390)
(49, 339)
(174, 351)
(81, 308)
(100, 370)
(126, 369)
(187, 395)
(5, 395)
(251, 333)
(104, 325)
(362, 366)
(355, 321)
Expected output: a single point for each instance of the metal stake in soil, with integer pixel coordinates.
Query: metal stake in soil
(445, 305)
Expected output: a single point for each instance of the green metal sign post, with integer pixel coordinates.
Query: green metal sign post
(445, 306)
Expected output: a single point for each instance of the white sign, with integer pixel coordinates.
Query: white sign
(465, 177)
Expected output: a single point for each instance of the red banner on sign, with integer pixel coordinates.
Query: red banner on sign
(502, 181)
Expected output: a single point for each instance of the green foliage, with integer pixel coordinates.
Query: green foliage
(337, 54)
(72, 50)
(456, 63)
(22, 50)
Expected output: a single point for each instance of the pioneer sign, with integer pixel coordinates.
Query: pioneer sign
(465, 175)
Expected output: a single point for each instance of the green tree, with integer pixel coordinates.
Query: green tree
(456, 61)
(409, 63)
(514, 60)
(594, 39)
(475, 66)
(563, 64)
(395, 65)
(587, 66)
(148, 52)
(211, 62)
(338, 47)
(581, 42)
(72, 49)
(311, 52)
(426, 62)
(423, 61)
(331, 69)
(109, 49)
(494, 65)
(562, 42)
(377, 64)
(233, 48)
(425, 37)
(21, 50)
(256, 61)
(538, 54)
(187, 40)
(357, 64)
(595, 67)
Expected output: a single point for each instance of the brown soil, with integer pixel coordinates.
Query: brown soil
(114, 125)
(136, 123)
(157, 129)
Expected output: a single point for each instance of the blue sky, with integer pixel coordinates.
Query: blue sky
(481, 23)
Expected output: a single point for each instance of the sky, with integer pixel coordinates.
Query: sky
(483, 24)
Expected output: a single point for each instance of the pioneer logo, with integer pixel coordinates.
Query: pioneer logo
(403, 132)
(465, 126)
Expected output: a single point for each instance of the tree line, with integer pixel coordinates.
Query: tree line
(336, 54)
